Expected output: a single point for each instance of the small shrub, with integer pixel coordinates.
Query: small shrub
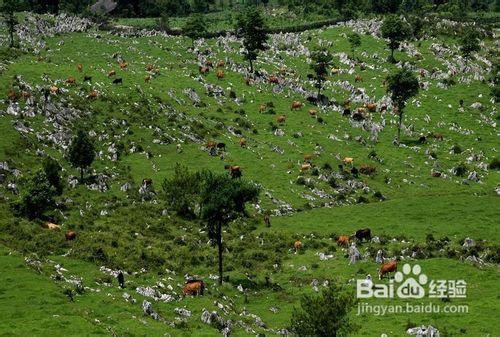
(494, 164)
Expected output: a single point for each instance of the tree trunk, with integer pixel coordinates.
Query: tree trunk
(81, 175)
(399, 124)
(251, 65)
(219, 244)
(319, 91)
(11, 33)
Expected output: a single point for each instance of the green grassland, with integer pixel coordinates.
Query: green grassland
(134, 234)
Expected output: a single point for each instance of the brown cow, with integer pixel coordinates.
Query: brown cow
(372, 107)
(221, 63)
(209, 64)
(313, 112)
(147, 79)
(388, 267)
(123, 65)
(343, 240)
(243, 142)
(220, 74)
(211, 144)
(281, 119)
(334, 71)
(149, 67)
(111, 73)
(79, 67)
(54, 90)
(262, 108)
(348, 160)
(305, 167)
(71, 80)
(93, 94)
(296, 105)
(147, 182)
(12, 94)
(274, 79)
(70, 236)
(234, 171)
(358, 78)
(26, 94)
(297, 245)
(203, 70)
(308, 158)
(194, 287)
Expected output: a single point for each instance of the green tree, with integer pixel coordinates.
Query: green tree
(250, 26)
(354, 41)
(326, 315)
(37, 197)
(396, 31)
(195, 27)
(8, 10)
(321, 62)
(81, 152)
(223, 200)
(469, 42)
(401, 86)
(164, 22)
(52, 169)
(182, 191)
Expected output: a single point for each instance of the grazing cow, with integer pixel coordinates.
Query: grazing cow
(248, 81)
(262, 108)
(281, 119)
(70, 236)
(87, 78)
(436, 174)
(267, 220)
(93, 94)
(362, 234)
(383, 108)
(334, 71)
(209, 64)
(372, 107)
(220, 74)
(203, 70)
(312, 112)
(26, 94)
(305, 167)
(274, 79)
(388, 267)
(296, 105)
(79, 67)
(438, 136)
(346, 112)
(147, 182)
(358, 78)
(54, 90)
(297, 245)
(422, 140)
(343, 240)
(149, 67)
(53, 226)
(308, 158)
(193, 287)
(221, 146)
(234, 171)
(348, 160)
(71, 80)
(118, 81)
(211, 144)
(111, 73)
(12, 94)
(147, 79)
(422, 73)
(221, 64)
(243, 142)
(123, 65)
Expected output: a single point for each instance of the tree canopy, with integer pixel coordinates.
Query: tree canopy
(251, 27)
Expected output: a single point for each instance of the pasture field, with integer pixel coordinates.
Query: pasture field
(402, 203)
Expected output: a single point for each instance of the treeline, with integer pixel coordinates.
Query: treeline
(347, 8)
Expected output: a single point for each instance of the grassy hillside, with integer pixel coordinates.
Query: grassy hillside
(145, 121)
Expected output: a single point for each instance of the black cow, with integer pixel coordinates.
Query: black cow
(87, 79)
(118, 81)
(221, 146)
(121, 280)
(362, 234)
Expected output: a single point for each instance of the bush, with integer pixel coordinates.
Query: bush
(367, 169)
(460, 170)
(37, 197)
(324, 315)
